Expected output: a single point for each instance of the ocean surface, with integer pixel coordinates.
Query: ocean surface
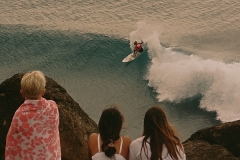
(190, 65)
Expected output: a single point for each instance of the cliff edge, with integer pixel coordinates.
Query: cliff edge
(220, 142)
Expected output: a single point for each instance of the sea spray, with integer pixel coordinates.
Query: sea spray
(176, 76)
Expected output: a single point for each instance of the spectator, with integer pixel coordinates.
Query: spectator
(34, 133)
(159, 141)
(113, 146)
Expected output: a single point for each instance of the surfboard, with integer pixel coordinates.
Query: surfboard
(131, 57)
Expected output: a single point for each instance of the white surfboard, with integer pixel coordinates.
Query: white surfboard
(131, 57)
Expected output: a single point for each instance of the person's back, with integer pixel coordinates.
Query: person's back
(159, 141)
(136, 153)
(121, 146)
(34, 133)
(109, 144)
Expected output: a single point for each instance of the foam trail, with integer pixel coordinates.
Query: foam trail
(176, 76)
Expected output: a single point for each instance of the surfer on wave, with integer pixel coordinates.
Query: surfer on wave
(137, 48)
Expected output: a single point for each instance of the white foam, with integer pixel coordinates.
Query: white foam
(176, 76)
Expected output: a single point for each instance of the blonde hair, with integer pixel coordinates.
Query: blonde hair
(33, 84)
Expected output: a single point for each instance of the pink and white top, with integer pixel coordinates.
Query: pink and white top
(34, 133)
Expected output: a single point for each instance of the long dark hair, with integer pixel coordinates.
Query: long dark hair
(110, 125)
(157, 128)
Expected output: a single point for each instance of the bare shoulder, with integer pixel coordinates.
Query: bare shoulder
(92, 139)
(125, 148)
(126, 140)
(92, 136)
(92, 144)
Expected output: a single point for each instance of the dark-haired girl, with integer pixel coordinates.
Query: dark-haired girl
(159, 141)
(109, 144)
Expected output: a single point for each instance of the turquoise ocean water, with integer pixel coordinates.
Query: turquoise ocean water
(190, 65)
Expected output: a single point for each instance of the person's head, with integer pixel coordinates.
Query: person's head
(135, 43)
(33, 85)
(155, 119)
(110, 125)
(158, 129)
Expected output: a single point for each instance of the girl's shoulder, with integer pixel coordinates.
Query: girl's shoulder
(93, 138)
(138, 141)
(126, 139)
(93, 135)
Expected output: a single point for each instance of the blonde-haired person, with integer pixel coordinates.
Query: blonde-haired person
(109, 144)
(34, 132)
(158, 141)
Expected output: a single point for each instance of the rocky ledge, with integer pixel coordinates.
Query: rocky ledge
(221, 142)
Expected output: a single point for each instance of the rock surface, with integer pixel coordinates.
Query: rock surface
(221, 142)
(75, 125)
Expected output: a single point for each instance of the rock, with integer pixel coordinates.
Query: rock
(201, 150)
(75, 125)
(219, 142)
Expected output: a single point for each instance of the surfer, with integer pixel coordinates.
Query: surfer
(137, 48)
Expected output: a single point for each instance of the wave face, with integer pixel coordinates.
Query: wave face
(190, 64)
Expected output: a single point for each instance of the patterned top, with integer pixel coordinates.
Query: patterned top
(34, 133)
